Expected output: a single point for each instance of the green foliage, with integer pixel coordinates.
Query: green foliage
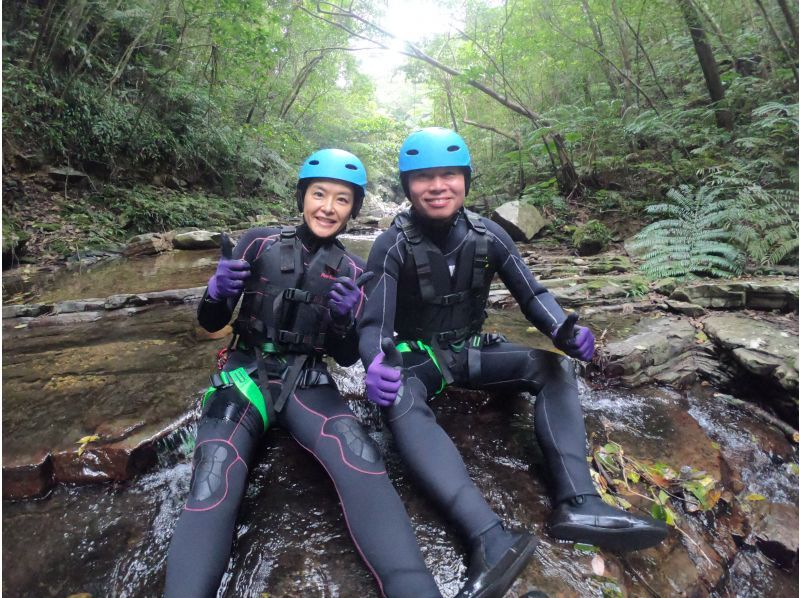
(618, 474)
(141, 209)
(691, 237)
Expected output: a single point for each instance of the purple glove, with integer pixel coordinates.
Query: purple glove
(345, 294)
(228, 280)
(575, 341)
(383, 375)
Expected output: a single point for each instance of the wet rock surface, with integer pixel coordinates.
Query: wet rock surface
(762, 348)
(128, 380)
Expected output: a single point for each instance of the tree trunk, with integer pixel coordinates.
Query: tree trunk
(299, 81)
(44, 29)
(790, 23)
(625, 52)
(791, 57)
(598, 38)
(703, 10)
(707, 63)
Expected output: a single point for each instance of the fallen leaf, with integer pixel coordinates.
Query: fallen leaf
(754, 496)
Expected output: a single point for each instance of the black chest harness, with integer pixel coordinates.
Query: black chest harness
(284, 318)
(435, 307)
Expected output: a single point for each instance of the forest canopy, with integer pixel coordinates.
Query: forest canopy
(623, 111)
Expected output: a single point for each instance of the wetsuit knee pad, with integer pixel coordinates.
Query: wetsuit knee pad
(412, 399)
(210, 471)
(359, 449)
(228, 404)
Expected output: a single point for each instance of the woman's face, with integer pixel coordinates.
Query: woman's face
(327, 205)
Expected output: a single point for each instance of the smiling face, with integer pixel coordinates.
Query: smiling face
(437, 193)
(327, 204)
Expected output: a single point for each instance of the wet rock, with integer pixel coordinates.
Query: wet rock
(118, 301)
(665, 286)
(774, 531)
(148, 244)
(27, 477)
(761, 348)
(766, 294)
(520, 221)
(199, 239)
(688, 309)
(658, 350)
(31, 310)
(67, 307)
(78, 379)
(378, 206)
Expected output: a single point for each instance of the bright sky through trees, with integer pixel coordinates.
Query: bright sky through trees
(410, 20)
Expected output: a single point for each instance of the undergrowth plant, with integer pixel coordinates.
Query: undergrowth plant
(691, 237)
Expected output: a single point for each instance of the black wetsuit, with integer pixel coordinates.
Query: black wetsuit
(425, 447)
(228, 435)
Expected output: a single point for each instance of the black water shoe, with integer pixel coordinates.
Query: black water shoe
(588, 519)
(489, 577)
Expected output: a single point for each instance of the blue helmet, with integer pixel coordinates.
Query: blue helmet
(335, 164)
(434, 147)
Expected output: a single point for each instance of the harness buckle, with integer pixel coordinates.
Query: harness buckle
(297, 295)
(289, 337)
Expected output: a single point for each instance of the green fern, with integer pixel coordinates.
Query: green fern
(690, 237)
(765, 222)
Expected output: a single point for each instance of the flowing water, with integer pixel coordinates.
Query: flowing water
(291, 540)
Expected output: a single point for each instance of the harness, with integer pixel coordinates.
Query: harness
(284, 319)
(438, 310)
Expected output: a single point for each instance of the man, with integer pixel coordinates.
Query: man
(433, 268)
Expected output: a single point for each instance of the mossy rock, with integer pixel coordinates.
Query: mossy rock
(617, 263)
(591, 238)
(14, 240)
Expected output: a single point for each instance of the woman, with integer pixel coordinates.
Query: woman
(301, 297)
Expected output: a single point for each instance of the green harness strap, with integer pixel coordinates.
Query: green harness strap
(245, 385)
(405, 347)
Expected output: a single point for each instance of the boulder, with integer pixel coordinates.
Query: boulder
(659, 349)
(198, 239)
(687, 309)
(761, 348)
(774, 531)
(148, 244)
(521, 221)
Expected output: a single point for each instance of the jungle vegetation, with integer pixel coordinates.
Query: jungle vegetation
(676, 119)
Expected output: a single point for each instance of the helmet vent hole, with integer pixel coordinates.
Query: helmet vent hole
(453, 148)
(412, 152)
(351, 166)
(314, 162)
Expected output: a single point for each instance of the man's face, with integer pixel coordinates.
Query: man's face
(326, 206)
(437, 193)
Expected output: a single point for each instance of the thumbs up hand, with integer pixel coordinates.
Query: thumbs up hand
(575, 341)
(383, 375)
(228, 280)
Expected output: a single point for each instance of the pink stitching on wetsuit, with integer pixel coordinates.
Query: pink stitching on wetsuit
(344, 510)
(338, 442)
